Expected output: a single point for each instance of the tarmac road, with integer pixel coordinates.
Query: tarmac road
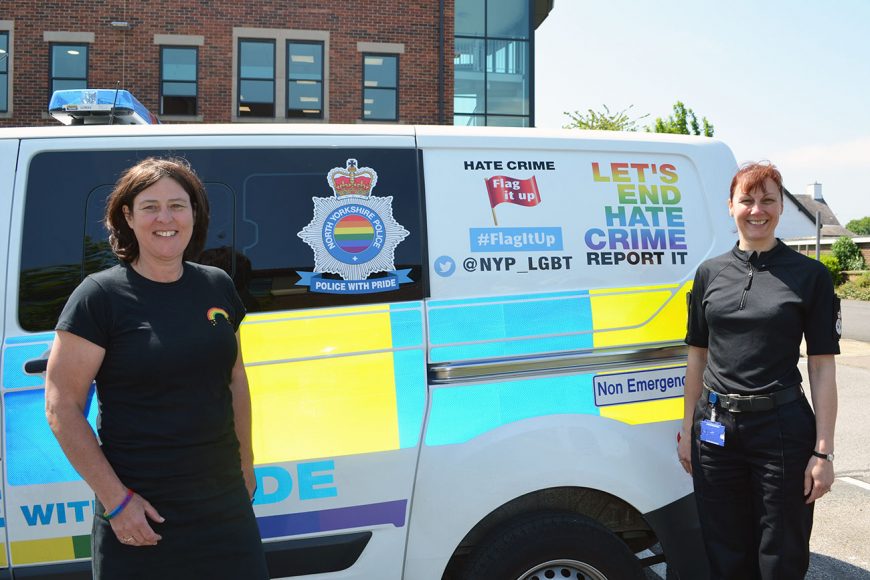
(840, 543)
(856, 320)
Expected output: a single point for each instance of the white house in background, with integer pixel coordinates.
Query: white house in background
(798, 221)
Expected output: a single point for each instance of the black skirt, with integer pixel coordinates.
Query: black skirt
(213, 537)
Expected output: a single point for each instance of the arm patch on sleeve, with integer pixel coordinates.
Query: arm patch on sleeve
(838, 318)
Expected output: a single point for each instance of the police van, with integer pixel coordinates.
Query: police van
(464, 346)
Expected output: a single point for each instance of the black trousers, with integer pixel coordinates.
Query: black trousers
(750, 496)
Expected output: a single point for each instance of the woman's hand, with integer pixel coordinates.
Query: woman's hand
(131, 526)
(818, 478)
(684, 449)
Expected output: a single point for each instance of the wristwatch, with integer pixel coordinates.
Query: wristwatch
(828, 456)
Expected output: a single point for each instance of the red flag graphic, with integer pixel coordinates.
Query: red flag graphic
(503, 189)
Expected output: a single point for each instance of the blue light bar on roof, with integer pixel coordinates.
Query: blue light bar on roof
(99, 107)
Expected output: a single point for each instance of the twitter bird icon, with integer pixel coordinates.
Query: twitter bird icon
(445, 266)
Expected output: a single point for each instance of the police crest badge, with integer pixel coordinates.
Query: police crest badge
(354, 235)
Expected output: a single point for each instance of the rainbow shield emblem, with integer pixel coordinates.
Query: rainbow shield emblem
(353, 235)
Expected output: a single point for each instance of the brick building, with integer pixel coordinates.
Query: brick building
(428, 62)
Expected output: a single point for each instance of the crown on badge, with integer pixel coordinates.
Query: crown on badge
(352, 180)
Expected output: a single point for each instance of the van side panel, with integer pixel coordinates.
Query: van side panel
(337, 377)
(8, 159)
(562, 279)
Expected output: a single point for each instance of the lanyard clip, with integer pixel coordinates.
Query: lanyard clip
(712, 398)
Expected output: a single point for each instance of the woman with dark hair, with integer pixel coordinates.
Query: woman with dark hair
(758, 454)
(173, 468)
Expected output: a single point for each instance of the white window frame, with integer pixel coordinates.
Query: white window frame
(381, 48)
(182, 40)
(9, 26)
(280, 37)
(64, 37)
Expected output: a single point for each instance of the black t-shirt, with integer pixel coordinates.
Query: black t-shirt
(166, 416)
(751, 310)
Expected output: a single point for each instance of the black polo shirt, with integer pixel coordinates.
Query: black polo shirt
(751, 310)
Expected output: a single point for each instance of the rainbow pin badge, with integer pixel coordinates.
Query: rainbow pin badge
(214, 313)
(354, 235)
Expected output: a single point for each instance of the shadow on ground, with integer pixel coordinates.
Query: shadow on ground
(821, 568)
(827, 568)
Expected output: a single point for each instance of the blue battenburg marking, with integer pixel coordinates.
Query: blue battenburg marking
(406, 325)
(33, 455)
(409, 368)
(459, 414)
(514, 298)
(29, 338)
(14, 358)
(489, 323)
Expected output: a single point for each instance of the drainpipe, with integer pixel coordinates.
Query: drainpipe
(441, 62)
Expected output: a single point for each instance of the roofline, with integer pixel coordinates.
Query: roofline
(353, 130)
(800, 206)
(823, 240)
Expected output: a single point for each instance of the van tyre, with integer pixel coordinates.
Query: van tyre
(553, 545)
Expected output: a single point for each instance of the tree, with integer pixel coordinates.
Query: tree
(603, 121)
(859, 226)
(682, 122)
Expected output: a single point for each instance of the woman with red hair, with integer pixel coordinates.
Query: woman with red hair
(758, 454)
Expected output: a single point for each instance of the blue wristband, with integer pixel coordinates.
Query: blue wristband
(108, 515)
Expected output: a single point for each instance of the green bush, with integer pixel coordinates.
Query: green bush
(833, 266)
(848, 254)
(858, 289)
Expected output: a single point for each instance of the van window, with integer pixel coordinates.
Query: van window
(277, 225)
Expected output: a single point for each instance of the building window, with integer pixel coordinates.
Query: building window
(492, 63)
(380, 87)
(256, 78)
(69, 67)
(4, 71)
(178, 80)
(304, 80)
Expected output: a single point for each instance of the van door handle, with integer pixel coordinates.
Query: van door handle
(35, 366)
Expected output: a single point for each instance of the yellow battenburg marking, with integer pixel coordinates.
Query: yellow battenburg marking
(636, 312)
(321, 312)
(3, 562)
(330, 332)
(645, 412)
(36, 551)
(324, 408)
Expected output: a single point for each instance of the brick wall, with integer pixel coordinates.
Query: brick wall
(809, 248)
(132, 57)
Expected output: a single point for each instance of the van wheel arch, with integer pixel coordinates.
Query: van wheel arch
(615, 515)
(551, 545)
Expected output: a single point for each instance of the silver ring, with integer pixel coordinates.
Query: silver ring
(127, 540)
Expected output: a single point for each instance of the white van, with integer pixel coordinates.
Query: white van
(464, 346)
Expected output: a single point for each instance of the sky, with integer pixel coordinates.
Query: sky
(782, 80)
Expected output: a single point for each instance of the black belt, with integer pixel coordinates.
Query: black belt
(753, 403)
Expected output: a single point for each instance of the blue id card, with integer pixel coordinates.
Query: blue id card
(713, 432)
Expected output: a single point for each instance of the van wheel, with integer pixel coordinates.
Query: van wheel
(553, 545)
